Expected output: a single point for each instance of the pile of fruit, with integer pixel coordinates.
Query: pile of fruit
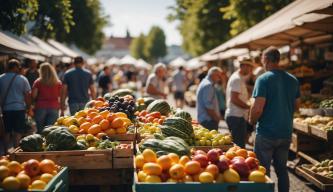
(153, 117)
(324, 168)
(204, 137)
(216, 166)
(310, 102)
(30, 175)
(148, 129)
(327, 104)
(323, 122)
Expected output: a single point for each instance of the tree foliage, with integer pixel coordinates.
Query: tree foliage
(245, 14)
(201, 24)
(137, 47)
(14, 14)
(155, 46)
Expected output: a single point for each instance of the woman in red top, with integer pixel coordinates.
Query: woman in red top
(46, 92)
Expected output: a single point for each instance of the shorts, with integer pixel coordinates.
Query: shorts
(14, 121)
(179, 95)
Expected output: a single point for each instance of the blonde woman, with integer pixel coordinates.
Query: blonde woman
(46, 92)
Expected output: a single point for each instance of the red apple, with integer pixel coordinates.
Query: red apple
(32, 167)
(241, 167)
(237, 158)
(197, 152)
(202, 159)
(223, 163)
(213, 156)
(219, 151)
(252, 163)
(165, 176)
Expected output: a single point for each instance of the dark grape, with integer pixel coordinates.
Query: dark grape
(132, 103)
(121, 99)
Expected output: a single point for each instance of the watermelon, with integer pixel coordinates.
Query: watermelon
(183, 114)
(159, 105)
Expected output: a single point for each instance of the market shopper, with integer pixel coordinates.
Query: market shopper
(276, 94)
(208, 112)
(104, 81)
(179, 86)
(78, 82)
(15, 97)
(156, 82)
(32, 73)
(46, 93)
(237, 107)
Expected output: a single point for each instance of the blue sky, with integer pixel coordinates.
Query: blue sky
(138, 16)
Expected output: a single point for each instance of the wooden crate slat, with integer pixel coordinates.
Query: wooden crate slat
(313, 180)
(302, 127)
(327, 135)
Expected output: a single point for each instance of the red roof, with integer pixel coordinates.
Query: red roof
(118, 42)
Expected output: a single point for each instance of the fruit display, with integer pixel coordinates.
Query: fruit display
(29, 175)
(305, 88)
(324, 168)
(142, 103)
(204, 137)
(323, 122)
(159, 105)
(216, 166)
(162, 146)
(310, 102)
(153, 117)
(178, 127)
(327, 104)
(148, 129)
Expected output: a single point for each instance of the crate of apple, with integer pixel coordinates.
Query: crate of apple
(233, 166)
(29, 175)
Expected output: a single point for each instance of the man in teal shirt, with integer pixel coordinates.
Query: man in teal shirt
(276, 94)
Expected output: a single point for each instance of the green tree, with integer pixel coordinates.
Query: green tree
(201, 24)
(14, 14)
(245, 14)
(137, 47)
(89, 19)
(155, 46)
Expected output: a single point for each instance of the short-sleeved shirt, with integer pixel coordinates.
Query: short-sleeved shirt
(236, 84)
(280, 89)
(178, 81)
(47, 96)
(104, 81)
(15, 100)
(206, 99)
(157, 83)
(78, 81)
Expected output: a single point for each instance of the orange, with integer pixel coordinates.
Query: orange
(234, 148)
(192, 167)
(4, 172)
(121, 130)
(206, 177)
(104, 124)
(230, 154)
(94, 129)
(46, 177)
(81, 113)
(4, 162)
(242, 153)
(188, 178)
(92, 115)
(262, 169)
(126, 121)
(251, 154)
(98, 103)
(152, 169)
(110, 132)
(117, 123)
(142, 176)
(10, 184)
(149, 155)
(257, 176)
(85, 126)
(153, 179)
(14, 167)
(174, 157)
(81, 120)
(24, 180)
(104, 114)
(184, 159)
(97, 119)
(111, 117)
(82, 131)
(91, 110)
(165, 162)
(47, 166)
(100, 135)
(139, 161)
(177, 171)
(38, 184)
(213, 169)
(121, 114)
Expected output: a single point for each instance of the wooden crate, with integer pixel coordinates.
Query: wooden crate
(305, 143)
(293, 143)
(302, 127)
(75, 159)
(316, 131)
(58, 183)
(123, 137)
(324, 187)
(207, 148)
(123, 158)
(199, 187)
(323, 179)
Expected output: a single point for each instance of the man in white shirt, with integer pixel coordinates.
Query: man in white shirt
(179, 86)
(155, 86)
(237, 107)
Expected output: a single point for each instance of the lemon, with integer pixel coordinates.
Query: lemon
(208, 143)
(38, 184)
(11, 183)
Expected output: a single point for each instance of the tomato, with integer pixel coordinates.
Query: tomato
(155, 120)
(155, 114)
(150, 119)
(143, 113)
(160, 121)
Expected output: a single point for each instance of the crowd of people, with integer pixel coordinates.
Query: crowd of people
(46, 91)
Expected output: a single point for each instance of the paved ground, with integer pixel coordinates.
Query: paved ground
(297, 184)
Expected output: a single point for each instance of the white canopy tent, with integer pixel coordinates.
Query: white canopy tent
(143, 64)
(179, 61)
(9, 43)
(64, 49)
(45, 46)
(194, 63)
(113, 61)
(127, 60)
